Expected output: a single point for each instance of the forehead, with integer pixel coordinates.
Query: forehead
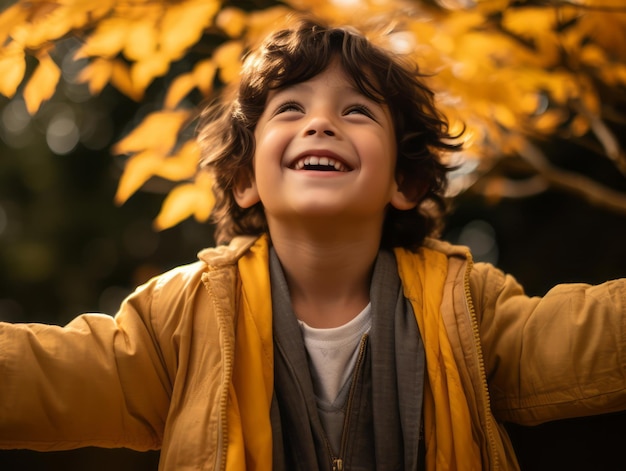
(334, 76)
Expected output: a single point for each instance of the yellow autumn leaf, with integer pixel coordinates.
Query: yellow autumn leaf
(608, 4)
(42, 84)
(488, 7)
(144, 71)
(460, 22)
(138, 170)
(204, 74)
(593, 55)
(186, 200)
(12, 68)
(107, 40)
(178, 205)
(183, 164)
(232, 21)
(620, 73)
(529, 102)
(579, 126)
(96, 74)
(50, 21)
(228, 59)
(550, 120)
(21, 33)
(504, 116)
(141, 9)
(83, 12)
(562, 87)
(120, 79)
(604, 28)
(13, 15)
(184, 23)
(206, 199)
(158, 131)
(482, 108)
(51, 26)
(529, 21)
(142, 40)
(261, 21)
(179, 89)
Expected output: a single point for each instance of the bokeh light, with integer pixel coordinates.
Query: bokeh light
(62, 133)
(15, 130)
(480, 237)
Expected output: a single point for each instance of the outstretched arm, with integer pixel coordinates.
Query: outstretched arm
(99, 381)
(558, 356)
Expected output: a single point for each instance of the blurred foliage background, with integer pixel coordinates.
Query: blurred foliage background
(541, 194)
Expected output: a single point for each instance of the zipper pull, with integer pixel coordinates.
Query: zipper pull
(337, 464)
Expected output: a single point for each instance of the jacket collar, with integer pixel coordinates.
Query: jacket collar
(229, 254)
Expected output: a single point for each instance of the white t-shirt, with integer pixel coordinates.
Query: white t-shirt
(333, 353)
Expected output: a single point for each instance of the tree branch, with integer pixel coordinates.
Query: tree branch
(497, 187)
(572, 182)
(606, 137)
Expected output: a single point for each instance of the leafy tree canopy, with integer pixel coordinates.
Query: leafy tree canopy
(513, 73)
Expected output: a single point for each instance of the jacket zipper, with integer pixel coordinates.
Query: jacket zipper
(481, 362)
(223, 435)
(227, 348)
(337, 461)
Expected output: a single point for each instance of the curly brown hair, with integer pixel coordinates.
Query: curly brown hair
(295, 55)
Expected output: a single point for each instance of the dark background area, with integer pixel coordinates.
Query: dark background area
(65, 248)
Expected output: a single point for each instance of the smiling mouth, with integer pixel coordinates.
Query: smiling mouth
(323, 164)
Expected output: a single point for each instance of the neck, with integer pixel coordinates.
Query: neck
(328, 272)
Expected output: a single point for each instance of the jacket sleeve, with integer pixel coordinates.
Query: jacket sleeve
(98, 381)
(559, 356)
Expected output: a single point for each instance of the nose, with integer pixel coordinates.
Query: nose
(320, 125)
(328, 132)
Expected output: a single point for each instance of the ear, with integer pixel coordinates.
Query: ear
(401, 201)
(245, 192)
(405, 198)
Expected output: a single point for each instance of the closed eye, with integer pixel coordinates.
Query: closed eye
(288, 106)
(360, 109)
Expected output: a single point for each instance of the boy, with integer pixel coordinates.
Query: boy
(331, 332)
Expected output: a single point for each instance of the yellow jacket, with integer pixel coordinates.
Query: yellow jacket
(186, 364)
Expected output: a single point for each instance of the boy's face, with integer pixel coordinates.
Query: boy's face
(324, 149)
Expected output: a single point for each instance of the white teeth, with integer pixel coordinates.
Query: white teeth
(315, 160)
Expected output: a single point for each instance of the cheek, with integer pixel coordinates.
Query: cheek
(271, 143)
(382, 152)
